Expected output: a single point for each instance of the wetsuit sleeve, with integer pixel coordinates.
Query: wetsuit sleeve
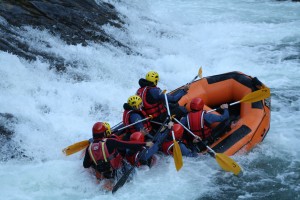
(211, 118)
(120, 144)
(134, 117)
(176, 97)
(87, 161)
(157, 94)
(183, 120)
(161, 137)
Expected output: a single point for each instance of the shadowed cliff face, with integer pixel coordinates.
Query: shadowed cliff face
(8, 148)
(7, 122)
(75, 22)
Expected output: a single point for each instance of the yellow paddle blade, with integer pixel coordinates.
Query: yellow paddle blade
(256, 96)
(200, 73)
(75, 147)
(228, 164)
(177, 156)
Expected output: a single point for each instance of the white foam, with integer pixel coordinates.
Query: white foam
(174, 38)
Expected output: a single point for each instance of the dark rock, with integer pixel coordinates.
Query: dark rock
(75, 22)
(7, 122)
(8, 148)
(291, 57)
(11, 150)
(289, 0)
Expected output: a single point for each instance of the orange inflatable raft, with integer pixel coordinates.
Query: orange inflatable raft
(252, 119)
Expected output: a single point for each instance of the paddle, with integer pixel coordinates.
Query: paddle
(125, 176)
(224, 161)
(83, 144)
(177, 155)
(251, 97)
(198, 75)
(75, 147)
(147, 118)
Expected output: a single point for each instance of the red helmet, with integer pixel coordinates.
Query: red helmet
(137, 136)
(99, 130)
(197, 104)
(178, 131)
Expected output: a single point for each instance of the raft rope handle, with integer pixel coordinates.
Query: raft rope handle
(91, 155)
(188, 121)
(202, 120)
(142, 95)
(103, 151)
(169, 149)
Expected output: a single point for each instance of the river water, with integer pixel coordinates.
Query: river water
(173, 37)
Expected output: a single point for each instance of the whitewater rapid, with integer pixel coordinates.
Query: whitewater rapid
(173, 37)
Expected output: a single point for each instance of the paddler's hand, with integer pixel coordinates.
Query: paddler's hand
(186, 87)
(170, 124)
(144, 131)
(196, 139)
(224, 106)
(149, 144)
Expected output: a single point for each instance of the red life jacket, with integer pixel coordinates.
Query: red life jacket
(98, 152)
(126, 120)
(167, 147)
(151, 109)
(197, 124)
(132, 159)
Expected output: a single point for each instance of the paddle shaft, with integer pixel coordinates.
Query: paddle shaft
(198, 75)
(234, 103)
(169, 113)
(132, 124)
(255, 96)
(177, 155)
(193, 79)
(154, 122)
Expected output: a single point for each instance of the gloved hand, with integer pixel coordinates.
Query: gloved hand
(149, 144)
(196, 139)
(186, 87)
(170, 124)
(144, 131)
(224, 106)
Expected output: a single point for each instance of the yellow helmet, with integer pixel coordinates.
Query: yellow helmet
(153, 77)
(134, 101)
(107, 126)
